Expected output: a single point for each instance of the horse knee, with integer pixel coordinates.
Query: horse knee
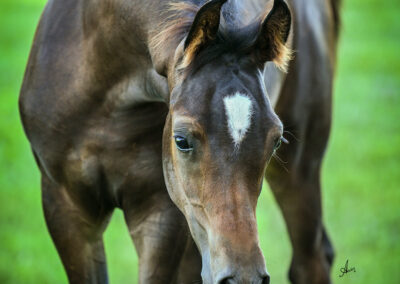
(312, 260)
(315, 270)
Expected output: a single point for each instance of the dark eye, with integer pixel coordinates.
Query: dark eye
(278, 142)
(182, 144)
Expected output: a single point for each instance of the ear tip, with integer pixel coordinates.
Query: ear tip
(215, 2)
(220, 1)
(210, 9)
(280, 3)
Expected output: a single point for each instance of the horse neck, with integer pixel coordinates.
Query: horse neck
(123, 26)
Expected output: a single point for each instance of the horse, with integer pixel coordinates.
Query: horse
(171, 111)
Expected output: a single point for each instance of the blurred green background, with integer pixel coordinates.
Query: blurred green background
(361, 175)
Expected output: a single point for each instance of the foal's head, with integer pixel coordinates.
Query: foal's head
(220, 133)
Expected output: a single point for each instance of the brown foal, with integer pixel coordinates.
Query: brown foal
(172, 111)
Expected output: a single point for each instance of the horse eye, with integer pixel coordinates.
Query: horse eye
(182, 144)
(278, 142)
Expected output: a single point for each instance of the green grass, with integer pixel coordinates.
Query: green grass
(361, 175)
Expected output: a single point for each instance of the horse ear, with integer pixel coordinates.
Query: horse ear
(275, 28)
(203, 30)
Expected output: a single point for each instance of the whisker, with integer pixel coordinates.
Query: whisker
(280, 162)
(279, 158)
(291, 134)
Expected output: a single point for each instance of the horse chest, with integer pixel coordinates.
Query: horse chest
(119, 154)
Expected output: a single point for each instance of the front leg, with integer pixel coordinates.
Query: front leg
(159, 232)
(77, 232)
(190, 265)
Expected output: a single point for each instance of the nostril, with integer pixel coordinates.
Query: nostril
(265, 280)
